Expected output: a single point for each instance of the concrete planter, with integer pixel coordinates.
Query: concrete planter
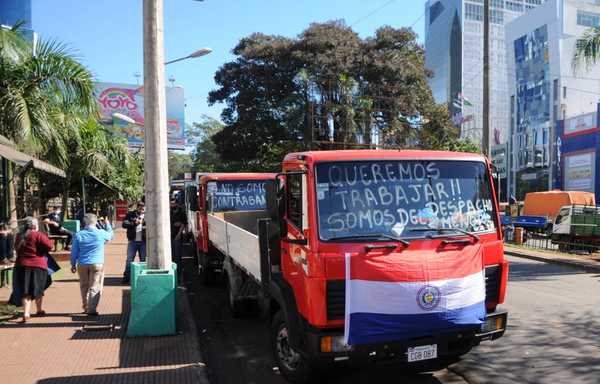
(153, 300)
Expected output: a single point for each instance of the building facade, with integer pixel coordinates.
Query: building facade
(544, 86)
(577, 150)
(15, 11)
(454, 52)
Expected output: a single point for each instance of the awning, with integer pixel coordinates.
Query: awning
(23, 159)
(97, 180)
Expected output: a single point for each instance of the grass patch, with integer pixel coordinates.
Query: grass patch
(64, 273)
(7, 311)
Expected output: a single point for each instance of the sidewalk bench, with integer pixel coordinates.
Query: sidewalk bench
(56, 239)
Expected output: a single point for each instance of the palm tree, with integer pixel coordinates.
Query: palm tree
(39, 88)
(35, 84)
(587, 48)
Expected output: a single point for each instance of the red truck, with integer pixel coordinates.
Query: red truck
(366, 256)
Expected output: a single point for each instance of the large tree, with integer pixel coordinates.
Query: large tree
(328, 88)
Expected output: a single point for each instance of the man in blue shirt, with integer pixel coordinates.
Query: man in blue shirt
(87, 258)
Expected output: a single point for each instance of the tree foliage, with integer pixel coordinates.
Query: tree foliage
(328, 88)
(47, 109)
(587, 48)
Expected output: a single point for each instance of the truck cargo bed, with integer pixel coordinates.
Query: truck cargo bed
(235, 234)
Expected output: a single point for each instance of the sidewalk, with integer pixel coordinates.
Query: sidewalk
(589, 263)
(68, 347)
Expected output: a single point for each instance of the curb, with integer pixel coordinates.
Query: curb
(569, 263)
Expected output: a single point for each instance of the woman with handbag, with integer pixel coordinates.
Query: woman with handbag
(31, 267)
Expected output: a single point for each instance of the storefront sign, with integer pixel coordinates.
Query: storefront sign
(580, 172)
(580, 124)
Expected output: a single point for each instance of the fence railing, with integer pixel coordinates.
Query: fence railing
(544, 241)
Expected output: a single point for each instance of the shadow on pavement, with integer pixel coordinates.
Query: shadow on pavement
(237, 350)
(519, 271)
(561, 349)
(185, 374)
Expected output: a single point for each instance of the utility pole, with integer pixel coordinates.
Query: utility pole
(158, 239)
(486, 78)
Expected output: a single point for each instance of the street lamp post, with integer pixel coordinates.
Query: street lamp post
(199, 53)
(158, 239)
(153, 285)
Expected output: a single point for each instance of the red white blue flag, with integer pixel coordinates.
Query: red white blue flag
(400, 296)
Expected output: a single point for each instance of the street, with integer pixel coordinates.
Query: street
(553, 331)
(553, 336)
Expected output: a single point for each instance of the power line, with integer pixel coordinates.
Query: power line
(372, 13)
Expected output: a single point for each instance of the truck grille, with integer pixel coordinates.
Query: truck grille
(492, 283)
(336, 299)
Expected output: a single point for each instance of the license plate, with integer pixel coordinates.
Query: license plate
(422, 352)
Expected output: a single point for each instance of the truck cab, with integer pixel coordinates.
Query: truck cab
(405, 208)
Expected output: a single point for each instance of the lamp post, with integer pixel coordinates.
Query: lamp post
(158, 239)
(199, 53)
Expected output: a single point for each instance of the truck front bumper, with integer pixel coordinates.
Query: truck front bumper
(324, 347)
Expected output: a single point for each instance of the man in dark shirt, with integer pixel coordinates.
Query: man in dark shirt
(54, 222)
(178, 225)
(136, 235)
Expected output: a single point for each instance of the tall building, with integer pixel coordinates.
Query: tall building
(454, 52)
(544, 87)
(15, 11)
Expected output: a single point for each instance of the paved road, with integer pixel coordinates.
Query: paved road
(553, 336)
(237, 351)
(554, 329)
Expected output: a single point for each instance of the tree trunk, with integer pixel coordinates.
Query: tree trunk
(12, 196)
(65, 197)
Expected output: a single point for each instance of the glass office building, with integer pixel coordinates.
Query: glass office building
(544, 88)
(13, 11)
(454, 52)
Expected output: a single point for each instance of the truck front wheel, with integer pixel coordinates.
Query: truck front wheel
(292, 365)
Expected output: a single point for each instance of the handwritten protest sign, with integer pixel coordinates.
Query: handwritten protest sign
(237, 195)
(395, 196)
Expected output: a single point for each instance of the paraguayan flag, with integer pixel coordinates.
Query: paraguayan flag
(395, 297)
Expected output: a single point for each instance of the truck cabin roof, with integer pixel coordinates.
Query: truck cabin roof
(236, 176)
(358, 155)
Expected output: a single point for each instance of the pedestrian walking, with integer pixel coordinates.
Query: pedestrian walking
(136, 235)
(87, 258)
(178, 225)
(54, 221)
(31, 269)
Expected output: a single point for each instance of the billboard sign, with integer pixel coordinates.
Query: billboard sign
(580, 124)
(128, 100)
(579, 171)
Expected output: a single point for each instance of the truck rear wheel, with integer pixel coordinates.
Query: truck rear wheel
(236, 305)
(207, 274)
(292, 365)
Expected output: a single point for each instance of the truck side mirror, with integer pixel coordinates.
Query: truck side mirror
(281, 208)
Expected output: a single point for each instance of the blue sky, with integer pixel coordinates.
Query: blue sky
(107, 34)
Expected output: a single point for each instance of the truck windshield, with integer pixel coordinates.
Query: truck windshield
(236, 195)
(402, 198)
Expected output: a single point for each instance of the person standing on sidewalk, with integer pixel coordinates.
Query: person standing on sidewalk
(178, 225)
(136, 235)
(31, 271)
(87, 258)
